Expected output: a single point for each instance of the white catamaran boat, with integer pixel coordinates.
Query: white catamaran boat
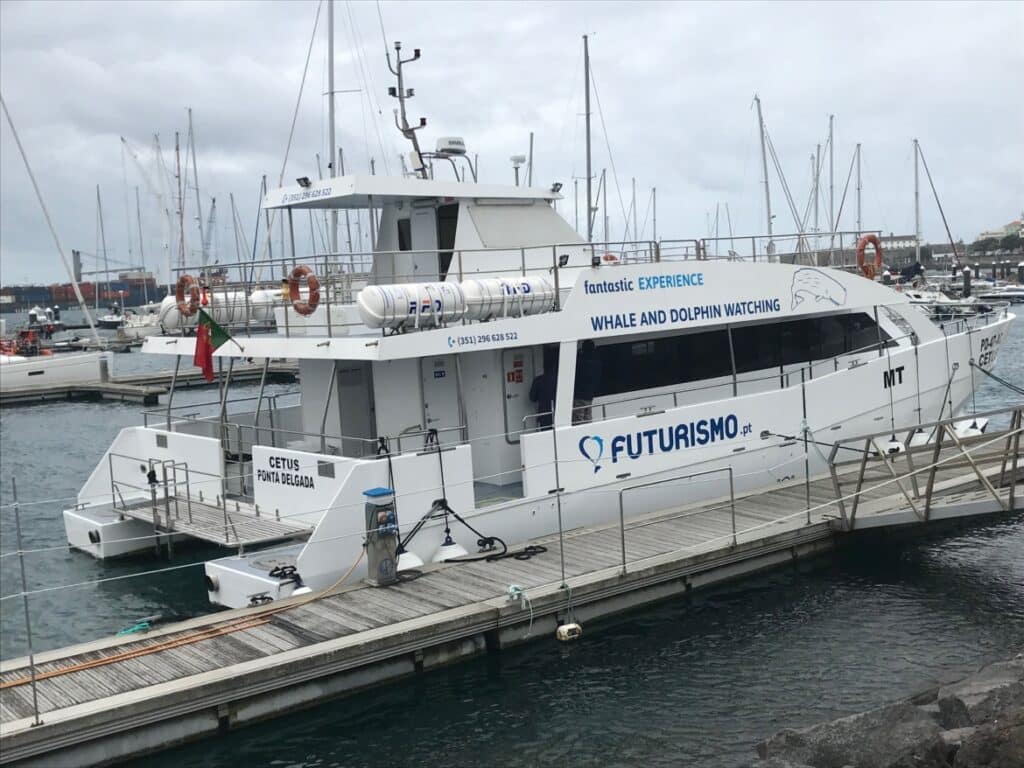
(485, 366)
(416, 377)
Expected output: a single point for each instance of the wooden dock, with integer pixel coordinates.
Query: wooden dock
(144, 388)
(120, 697)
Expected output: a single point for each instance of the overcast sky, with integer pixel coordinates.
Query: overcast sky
(675, 83)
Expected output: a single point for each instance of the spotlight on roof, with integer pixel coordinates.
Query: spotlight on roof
(556, 187)
(304, 182)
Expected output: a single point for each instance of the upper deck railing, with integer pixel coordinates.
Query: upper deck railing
(230, 291)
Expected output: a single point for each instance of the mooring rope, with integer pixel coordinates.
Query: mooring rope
(1004, 382)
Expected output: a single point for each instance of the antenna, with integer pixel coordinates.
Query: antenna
(402, 93)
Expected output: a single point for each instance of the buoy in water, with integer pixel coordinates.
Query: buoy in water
(569, 632)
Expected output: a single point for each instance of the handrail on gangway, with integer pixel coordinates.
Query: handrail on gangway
(676, 478)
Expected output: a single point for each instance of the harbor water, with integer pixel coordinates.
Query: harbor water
(696, 681)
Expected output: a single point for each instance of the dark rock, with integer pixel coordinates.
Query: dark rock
(926, 697)
(997, 745)
(895, 736)
(778, 762)
(981, 697)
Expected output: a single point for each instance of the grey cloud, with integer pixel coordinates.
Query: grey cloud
(675, 83)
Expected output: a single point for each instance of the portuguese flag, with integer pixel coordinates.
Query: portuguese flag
(209, 336)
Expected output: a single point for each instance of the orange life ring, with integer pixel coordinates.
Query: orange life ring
(309, 306)
(187, 283)
(869, 270)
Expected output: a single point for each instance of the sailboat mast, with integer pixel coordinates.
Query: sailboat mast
(181, 201)
(586, 110)
(348, 218)
(636, 233)
(333, 229)
(917, 207)
(195, 182)
(858, 190)
(764, 166)
(831, 175)
(654, 213)
(49, 223)
(604, 202)
(103, 240)
(142, 255)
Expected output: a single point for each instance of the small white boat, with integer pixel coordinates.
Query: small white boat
(23, 373)
(115, 319)
(1006, 292)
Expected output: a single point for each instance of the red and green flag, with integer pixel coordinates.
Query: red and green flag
(209, 336)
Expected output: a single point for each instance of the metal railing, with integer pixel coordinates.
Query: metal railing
(623, 491)
(834, 249)
(884, 451)
(171, 485)
(234, 307)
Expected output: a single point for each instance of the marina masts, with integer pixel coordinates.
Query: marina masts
(181, 202)
(103, 244)
(858, 190)
(142, 255)
(917, 207)
(586, 111)
(333, 230)
(195, 181)
(764, 167)
(49, 223)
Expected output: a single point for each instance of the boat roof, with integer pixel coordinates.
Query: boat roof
(356, 192)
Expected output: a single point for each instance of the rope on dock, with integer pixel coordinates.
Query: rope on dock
(247, 622)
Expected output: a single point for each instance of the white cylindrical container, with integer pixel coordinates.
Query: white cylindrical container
(169, 316)
(411, 305)
(261, 304)
(492, 297)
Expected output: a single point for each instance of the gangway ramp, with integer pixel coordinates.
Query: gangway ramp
(233, 523)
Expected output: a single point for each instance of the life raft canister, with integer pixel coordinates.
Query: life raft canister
(307, 307)
(869, 270)
(187, 283)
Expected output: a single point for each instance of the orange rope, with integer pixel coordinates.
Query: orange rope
(248, 622)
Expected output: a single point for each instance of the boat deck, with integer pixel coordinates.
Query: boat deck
(238, 524)
(123, 696)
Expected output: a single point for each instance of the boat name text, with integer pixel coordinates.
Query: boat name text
(284, 471)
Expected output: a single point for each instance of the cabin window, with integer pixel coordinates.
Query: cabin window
(631, 366)
(405, 234)
(636, 365)
(447, 223)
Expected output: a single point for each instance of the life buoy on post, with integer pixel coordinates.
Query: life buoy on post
(307, 307)
(187, 283)
(869, 270)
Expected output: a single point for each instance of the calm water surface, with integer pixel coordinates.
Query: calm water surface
(695, 681)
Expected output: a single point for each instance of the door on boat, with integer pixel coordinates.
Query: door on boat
(356, 414)
(518, 367)
(440, 396)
